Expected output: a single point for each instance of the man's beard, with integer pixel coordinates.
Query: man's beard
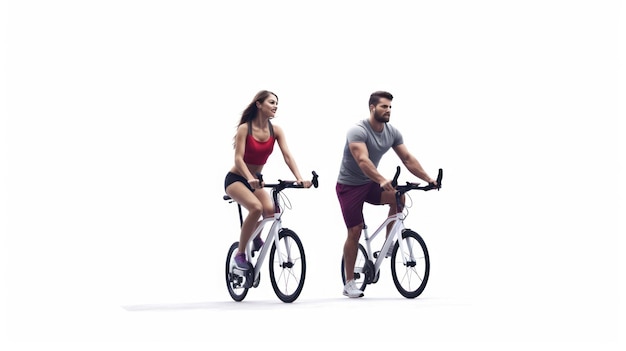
(381, 117)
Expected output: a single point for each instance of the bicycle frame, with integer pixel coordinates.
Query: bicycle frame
(398, 225)
(287, 268)
(410, 262)
(272, 237)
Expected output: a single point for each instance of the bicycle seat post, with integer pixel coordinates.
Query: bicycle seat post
(366, 236)
(240, 215)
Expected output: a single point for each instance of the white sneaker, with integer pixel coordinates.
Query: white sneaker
(351, 290)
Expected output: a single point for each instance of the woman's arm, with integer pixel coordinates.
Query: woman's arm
(287, 156)
(240, 149)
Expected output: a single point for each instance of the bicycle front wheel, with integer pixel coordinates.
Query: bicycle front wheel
(287, 270)
(410, 267)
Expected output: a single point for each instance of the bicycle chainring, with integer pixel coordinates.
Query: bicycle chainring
(249, 275)
(368, 270)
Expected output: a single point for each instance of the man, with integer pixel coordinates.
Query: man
(359, 180)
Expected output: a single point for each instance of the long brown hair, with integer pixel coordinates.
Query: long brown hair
(251, 110)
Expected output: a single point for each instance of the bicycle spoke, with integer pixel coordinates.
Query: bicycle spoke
(287, 276)
(288, 267)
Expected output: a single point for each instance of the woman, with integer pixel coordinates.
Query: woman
(254, 142)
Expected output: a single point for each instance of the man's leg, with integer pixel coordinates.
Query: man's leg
(350, 250)
(389, 198)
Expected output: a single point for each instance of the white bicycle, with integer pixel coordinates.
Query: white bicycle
(288, 263)
(410, 263)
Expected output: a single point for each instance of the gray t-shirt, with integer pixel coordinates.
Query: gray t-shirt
(377, 145)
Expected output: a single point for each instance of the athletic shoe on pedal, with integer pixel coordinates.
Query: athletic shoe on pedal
(241, 262)
(350, 290)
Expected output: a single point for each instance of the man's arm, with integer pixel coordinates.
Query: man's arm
(361, 156)
(412, 164)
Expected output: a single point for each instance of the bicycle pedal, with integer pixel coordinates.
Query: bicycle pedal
(238, 272)
(235, 280)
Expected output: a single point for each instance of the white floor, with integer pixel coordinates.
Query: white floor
(510, 313)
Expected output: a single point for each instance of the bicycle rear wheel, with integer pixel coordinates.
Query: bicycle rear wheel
(410, 267)
(287, 278)
(363, 269)
(234, 282)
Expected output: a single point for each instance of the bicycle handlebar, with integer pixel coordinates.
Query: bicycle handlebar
(411, 186)
(283, 184)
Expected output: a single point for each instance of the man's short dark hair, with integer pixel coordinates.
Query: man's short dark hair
(377, 95)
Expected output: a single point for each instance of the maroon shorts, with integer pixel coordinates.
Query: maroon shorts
(352, 197)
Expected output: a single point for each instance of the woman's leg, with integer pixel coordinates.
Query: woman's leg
(239, 192)
(268, 211)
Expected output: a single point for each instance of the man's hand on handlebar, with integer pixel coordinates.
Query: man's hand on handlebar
(387, 185)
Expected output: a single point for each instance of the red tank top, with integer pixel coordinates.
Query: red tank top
(257, 152)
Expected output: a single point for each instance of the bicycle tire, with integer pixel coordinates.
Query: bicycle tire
(234, 282)
(363, 269)
(413, 276)
(288, 279)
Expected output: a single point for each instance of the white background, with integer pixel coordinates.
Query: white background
(118, 119)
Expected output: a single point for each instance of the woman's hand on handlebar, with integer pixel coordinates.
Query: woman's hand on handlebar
(255, 183)
(305, 183)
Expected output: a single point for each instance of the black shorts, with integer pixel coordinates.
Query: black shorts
(232, 177)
